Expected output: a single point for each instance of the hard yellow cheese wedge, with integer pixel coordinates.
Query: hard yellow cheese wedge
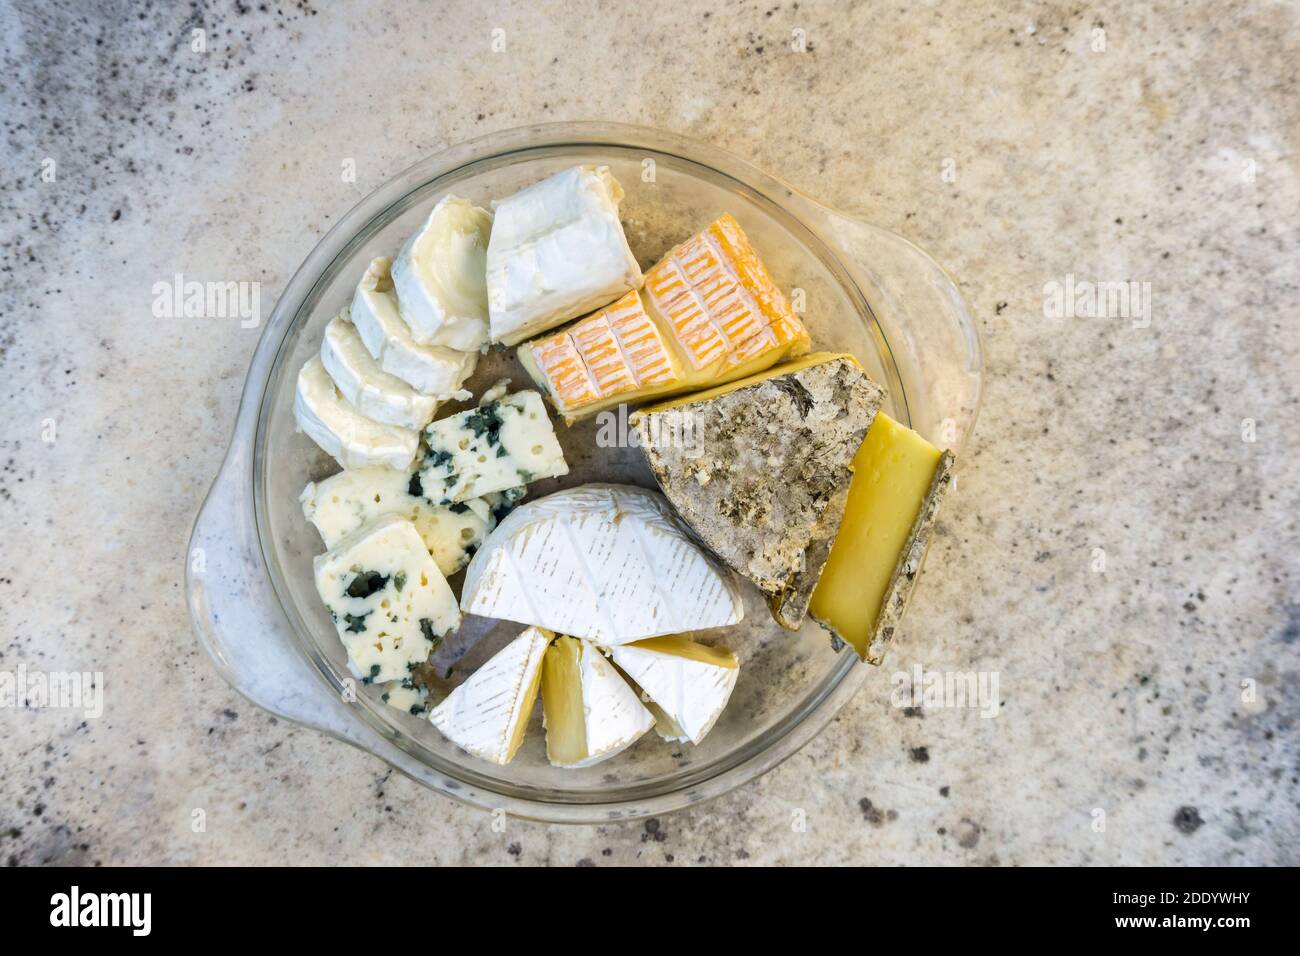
(709, 313)
(899, 480)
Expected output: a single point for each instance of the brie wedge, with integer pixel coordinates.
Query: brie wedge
(439, 277)
(499, 445)
(608, 563)
(389, 601)
(354, 440)
(429, 369)
(690, 682)
(488, 714)
(557, 252)
(342, 503)
(589, 710)
(370, 390)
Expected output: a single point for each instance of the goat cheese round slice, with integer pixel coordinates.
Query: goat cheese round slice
(432, 369)
(608, 563)
(440, 276)
(374, 393)
(332, 422)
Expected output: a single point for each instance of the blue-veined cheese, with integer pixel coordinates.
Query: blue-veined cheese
(389, 601)
(335, 425)
(501, 444)
(406, 696)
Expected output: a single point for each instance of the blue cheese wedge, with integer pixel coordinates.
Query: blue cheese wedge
(557, 252)
(334, 424)
(439, 277)
(371, 391)
(344, 502)
(389, 601)
(430, 369)
(487, 715)
(406, 696)
(501, 444)
(607, 563)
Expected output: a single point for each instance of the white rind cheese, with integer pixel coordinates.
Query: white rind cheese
(354, 440)
(488, 714)
(499, 445)
(389, 601)
(430, 369)
(608, 563)
(557, 252)
(691, 693)
(369, 389)
(609, 717)
(342, 503)
(439, 277)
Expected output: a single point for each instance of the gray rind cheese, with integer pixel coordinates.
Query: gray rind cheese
(901, 584)
(761, 473)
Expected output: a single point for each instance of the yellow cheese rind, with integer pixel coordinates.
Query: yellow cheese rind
(899, 482)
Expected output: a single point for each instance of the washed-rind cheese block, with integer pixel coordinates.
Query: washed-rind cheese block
(589, 710)
(557, 252)
(487, 715)
(899, 483)
(439, 277)
(430, 369)
(344, 502)
(608, 563)
(354, 440)
(760, 468)
(389, 601)
(407, 696)
(709, 314)
(501, 444)
(690, 682)
(367, 387)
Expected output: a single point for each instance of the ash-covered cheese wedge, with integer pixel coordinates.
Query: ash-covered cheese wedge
(344, 502)
(439, 277)
(709, 313)
(557, 252)
(691, 682)
(367, 387)
(332, 422)
(430, 369)
(899, 483)
(487, 715)
(407, 696)
(760, 468)
(501, 444)
(589, 710)
(608, 563)
(389, 601)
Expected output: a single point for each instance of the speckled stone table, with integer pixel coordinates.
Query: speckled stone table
(1121, 550)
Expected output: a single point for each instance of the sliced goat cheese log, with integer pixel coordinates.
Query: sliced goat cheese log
(404, 695)
(431, 369)
(439, 277)
(371, 390)
(590, 712)
(389, 601)
(342, 503)
(691, 682)
(354, 440)
(488, 714)
(557, 252)
(499, 445)
(608, 563)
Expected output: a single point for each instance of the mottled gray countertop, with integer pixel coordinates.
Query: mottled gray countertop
(1121, 550)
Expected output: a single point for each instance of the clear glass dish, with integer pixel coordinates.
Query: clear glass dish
(249, 581)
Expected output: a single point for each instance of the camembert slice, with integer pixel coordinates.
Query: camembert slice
(690, 682)
(899, 482)
(608, 563)
(709, 314)
(334, 424)
(487, 715)
(590, 711)
(760, 468)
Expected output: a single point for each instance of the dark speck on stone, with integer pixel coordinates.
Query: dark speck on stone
(920, 754)
(585, 862)
(913, 712)
(944, 791)
(514, 849)
(1188, 820)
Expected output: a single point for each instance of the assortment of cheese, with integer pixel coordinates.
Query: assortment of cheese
(774, 465)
